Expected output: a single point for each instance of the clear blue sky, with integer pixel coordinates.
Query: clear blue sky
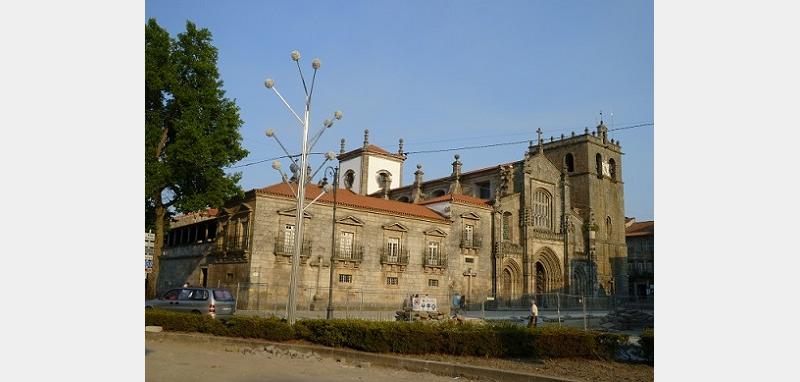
(439, 74)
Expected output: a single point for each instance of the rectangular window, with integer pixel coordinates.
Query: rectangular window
(468, 230)
(649, 265)
(345, 278)
(469, 259)
(393, 248)
(433, 253)
(229, 276)
(288, 238)
(484, 190)
(346, 245)
(433, 282)
(391, 281)
(245, 234)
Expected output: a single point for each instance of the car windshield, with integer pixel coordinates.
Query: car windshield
(222, 295)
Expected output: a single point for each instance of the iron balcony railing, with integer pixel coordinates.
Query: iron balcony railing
(439, 261)
(396, 257)
(355, 253)
(286, 248)
(473, 241)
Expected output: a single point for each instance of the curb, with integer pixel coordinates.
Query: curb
(410, 364)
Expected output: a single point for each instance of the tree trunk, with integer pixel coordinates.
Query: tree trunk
(158, 245)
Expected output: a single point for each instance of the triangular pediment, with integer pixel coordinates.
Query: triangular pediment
(293, 212)
(237, 209)
(395, 227)
(350, 220)
(435, 232)
(470, 215)
(539, 167)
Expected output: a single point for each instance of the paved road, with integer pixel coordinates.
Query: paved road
(173, 360)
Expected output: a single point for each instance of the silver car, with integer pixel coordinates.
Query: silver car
(218, 303)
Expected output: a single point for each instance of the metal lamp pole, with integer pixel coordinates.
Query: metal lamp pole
(303, 172)
(329, 314)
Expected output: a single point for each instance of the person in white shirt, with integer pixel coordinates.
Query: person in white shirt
(534, 314)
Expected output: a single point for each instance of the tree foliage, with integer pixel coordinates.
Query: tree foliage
(191, 130)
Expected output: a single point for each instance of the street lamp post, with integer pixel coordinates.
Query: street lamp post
(302, 169)
(335, 171)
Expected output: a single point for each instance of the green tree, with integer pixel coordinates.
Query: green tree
(191, 130)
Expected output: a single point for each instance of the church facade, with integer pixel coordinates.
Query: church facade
(550, 222)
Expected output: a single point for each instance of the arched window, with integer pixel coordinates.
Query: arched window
(612, 168)
(609, 228)
(599, 160)
(384, 179)
(349, 178)
(570, 162)
(506, 225)
(438, 193)
(403, 199)
(542, 210)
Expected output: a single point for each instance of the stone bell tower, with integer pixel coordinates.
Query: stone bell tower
(370, 169)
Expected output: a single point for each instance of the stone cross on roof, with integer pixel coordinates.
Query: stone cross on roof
(539, 133)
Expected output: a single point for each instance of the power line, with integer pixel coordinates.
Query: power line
(509, 143)
(513, 134)
(447, 149)
(267, 160)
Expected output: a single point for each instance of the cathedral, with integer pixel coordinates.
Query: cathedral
(551, 222)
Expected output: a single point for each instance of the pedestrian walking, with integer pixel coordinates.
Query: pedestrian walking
(534, 314)
(462, 304)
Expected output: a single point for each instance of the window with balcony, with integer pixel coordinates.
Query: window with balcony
(469, 234)
(346, 245)
(288, 238)
(433, 253)
(393, 249)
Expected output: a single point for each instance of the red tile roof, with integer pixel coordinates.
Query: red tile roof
(193, 217)
(348, 198)
(646, 228)
(209, 212)
(458, 198)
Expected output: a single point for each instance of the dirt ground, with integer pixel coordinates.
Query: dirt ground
(171, 359)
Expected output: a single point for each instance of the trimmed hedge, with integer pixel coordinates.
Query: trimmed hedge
(446, 337)
(184, 322)
(272, 329)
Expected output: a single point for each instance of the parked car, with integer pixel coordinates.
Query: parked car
(216, 302)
